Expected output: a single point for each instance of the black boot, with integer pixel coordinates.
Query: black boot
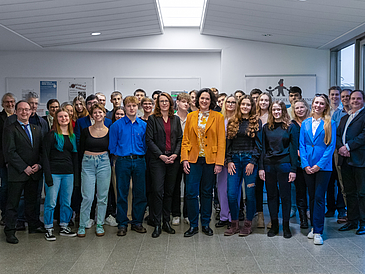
(274, 228)
(286, 230)
(303, 218)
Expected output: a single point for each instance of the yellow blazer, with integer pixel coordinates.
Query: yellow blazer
(215, 142)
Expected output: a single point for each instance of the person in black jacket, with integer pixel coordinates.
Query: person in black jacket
(60, 166)
(278, 164)
(351, 150)
(163, 138)
(22, 152)
(8, 104)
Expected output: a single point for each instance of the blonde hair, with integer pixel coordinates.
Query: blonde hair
(258, 108)
(326, 115)
(224, 110)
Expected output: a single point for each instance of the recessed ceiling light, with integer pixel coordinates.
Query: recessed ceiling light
(268, 34)
(95, 33)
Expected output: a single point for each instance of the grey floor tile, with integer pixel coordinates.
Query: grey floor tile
(282, 269)
(308, 269)
(340, 269)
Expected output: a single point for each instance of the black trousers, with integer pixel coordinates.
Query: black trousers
(354, 185)
(163, 178)
(301, 190)
(275, 175)
(15, 189)
(332, 202)
(259, 191)
(176, 196)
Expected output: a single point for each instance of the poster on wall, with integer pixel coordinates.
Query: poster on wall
(279, 85)
(47, 90)
(76, 89)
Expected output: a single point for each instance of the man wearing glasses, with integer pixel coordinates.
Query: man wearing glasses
(22, 143)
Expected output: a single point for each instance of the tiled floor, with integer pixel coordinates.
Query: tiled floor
(342, 252)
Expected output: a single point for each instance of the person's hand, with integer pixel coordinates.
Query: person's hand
(308, 170)
(315, 168)
(343, 151)
(171, 159)
(164, 158)
(231, 168)
(35, 168)
(186, 167)
(262, 174)
(28, 170)
(292, 176)
(217, 169)
(249, 169)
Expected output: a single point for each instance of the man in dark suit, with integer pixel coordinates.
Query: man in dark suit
(22, 150)
(351, 150)
(8, 104)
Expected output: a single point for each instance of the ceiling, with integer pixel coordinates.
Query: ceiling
(43, 24)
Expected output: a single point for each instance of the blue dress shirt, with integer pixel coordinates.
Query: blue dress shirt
(127, 138)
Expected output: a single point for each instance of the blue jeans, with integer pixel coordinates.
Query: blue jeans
(63, 185)
(195, 181)
(95, 170)
(125, 168)
(234, 182)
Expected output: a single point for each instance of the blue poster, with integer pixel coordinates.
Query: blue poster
(48, 90)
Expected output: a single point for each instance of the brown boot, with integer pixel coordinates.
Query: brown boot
(260, 220)
(233, 229)
(246, 229)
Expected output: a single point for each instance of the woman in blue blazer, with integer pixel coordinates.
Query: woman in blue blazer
(316, 146)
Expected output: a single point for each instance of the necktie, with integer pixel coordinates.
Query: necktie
(27, 131)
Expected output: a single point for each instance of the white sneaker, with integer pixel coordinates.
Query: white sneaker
(90, 223)
(110, 220)
(175, 221)
(310, 234)
(186, 221)
(49, 235)
(318, 239)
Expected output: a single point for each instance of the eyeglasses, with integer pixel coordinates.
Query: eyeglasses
(231, 102)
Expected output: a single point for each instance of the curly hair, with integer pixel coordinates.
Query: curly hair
(234, 122)
(284, 116)
(213, 99)
(157, 111)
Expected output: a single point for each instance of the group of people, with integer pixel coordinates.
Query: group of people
(109, 166)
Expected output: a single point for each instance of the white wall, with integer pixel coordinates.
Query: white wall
(219, 62)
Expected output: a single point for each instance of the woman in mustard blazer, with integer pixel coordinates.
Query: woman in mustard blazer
(202, 152)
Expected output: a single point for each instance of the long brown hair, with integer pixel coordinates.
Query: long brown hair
(234, 122)
(326, 115)
(82, 114)
(157, 111)
(284, 116)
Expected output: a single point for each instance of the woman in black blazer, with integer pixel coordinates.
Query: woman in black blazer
(163, 138)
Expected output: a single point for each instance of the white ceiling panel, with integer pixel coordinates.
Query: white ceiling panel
(311, 23)
(50, 23)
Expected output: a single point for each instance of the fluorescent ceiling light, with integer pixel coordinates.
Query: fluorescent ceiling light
(95, 33)
(181, 13)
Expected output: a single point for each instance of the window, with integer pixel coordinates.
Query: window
(347, 67)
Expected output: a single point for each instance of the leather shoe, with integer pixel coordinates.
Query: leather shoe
(39, 229)
(138, 228)
(157, 232)
(191, 231)
(361, 230)
(122, 231)
(20, 226)
(150, 222)
(348, 226)
(221, 223)
(167, 228)
(207, 230)
(11, 239)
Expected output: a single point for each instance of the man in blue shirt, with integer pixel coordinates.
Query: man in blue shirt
(127, 141)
